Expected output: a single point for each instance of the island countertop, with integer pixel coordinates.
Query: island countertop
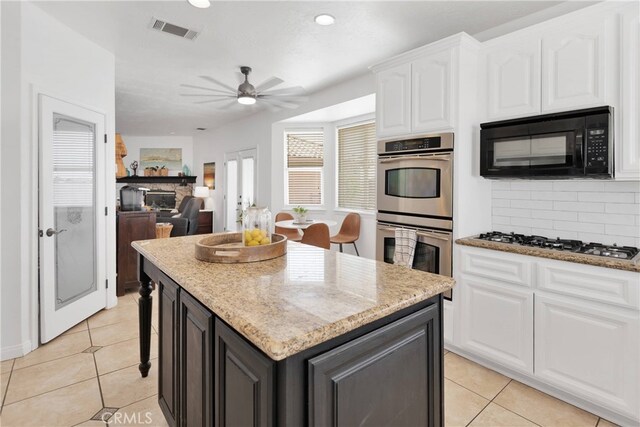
(294, 302)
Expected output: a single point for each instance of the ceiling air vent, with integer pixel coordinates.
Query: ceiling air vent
(176, 30)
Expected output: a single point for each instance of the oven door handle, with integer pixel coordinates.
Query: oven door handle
(419, 233)
(397, 159)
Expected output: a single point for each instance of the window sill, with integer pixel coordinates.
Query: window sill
(359, 212)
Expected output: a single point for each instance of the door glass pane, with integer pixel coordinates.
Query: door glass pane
(248, 195)
(416, 183)
(426, 257)
(73, 154)
(232, 195)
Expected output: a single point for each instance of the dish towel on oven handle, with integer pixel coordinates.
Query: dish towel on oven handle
(405, 247)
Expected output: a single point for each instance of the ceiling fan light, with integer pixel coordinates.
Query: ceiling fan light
(201, 4)
(324, 19)
(246, 99)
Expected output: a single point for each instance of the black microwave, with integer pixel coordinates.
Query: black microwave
(572, 144)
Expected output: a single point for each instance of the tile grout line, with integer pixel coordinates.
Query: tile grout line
(48, 391)
(55, 358)
(95, 365)
(13, 362)
(489, 402)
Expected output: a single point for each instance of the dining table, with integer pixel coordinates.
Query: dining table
(292, 224)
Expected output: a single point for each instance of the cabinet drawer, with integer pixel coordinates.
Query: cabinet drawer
(495, 265)
(588, 282)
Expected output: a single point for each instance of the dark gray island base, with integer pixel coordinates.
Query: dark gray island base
(388, 372)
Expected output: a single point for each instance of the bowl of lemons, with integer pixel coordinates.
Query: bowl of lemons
(256, 237)
(247, 246)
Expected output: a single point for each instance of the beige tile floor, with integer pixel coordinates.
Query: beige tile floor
(93, 368)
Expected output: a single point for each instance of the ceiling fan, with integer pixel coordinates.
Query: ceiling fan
(247, 94)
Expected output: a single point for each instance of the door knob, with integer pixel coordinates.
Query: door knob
(50, 232)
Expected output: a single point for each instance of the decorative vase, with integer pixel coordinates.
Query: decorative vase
(256, 226)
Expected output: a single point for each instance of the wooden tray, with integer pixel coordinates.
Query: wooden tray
(227, 248)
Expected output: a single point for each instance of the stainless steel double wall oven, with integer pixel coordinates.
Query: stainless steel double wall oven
(415, 190)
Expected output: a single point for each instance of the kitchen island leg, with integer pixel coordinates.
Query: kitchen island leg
(144, 313)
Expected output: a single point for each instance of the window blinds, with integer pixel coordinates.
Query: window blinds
(305, 159)
(357, 167)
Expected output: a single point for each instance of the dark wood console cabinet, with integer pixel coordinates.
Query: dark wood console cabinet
(131, 226)
(388, 372)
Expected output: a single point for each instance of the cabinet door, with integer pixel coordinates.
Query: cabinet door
(131, 226)
(244, 383)
(628, 147)
(431, 92)
(392, 376)
(497, 321)
(579, 67)
(169, 362)
(590, 350)
(512, 72)
(196, 363)
(393, 102)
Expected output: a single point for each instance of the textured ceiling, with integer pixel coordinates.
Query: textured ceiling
(275, 38)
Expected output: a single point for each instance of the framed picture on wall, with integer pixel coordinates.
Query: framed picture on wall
(210, 175)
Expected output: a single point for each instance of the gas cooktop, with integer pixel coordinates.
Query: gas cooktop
(577, 246)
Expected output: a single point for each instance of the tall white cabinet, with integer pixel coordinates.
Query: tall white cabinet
(393, 101)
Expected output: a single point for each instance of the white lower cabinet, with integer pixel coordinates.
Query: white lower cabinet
(497, 322)
(571, 327)
(589, 350)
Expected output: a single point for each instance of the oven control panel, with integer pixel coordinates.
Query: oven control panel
(439, 142)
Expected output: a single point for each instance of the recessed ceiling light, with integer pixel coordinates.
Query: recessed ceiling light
(325, 19)
(201, 4)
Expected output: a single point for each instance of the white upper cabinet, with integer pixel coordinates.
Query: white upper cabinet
(628, 152)
(432, 92)
(578, 65)
(512, 79)
(393, 101)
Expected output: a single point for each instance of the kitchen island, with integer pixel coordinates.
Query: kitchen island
(311, 338)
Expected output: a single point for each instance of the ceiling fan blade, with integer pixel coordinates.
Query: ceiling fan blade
(214, 100)
(268, 84)
(205, 88)
(207, 95)
(279, 103)
(271, 107)
(292, 99)
(295, 90)
(212, 80)
(231, 104)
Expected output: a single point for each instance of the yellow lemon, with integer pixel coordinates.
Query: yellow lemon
(256, 233)
(247, 235)
(263, 233)
(253, 243)
(265, 241)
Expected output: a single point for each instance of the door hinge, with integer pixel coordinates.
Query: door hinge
(106, 282)
(106, 211)
(105, 138)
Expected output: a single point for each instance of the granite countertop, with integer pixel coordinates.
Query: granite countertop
(294, 302)
(599, 261)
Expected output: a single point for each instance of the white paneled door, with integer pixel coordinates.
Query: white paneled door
(240, 185)
(71, 215)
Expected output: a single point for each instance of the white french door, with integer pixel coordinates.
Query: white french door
(240, 185)
(71, 215)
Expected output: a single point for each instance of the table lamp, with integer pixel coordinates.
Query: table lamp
(203, 193)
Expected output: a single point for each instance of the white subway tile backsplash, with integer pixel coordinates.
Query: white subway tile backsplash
(578, 206)
(502, 220)
(566, 196)
(578, 186)
(512, 212)
(622, 230)
(605, 218)
(622, 186)
(532, 204)
(600, 211)
(606, 197)
(578, 226)
(560, 215)
(622, 208)
(530, 222)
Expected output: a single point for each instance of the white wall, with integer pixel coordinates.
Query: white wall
(594, 211)
(135, 143)
(256, 132)
(39, 54)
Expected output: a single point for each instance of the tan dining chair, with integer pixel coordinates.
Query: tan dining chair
(317, 235)
(291, 234)
(349, 232)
